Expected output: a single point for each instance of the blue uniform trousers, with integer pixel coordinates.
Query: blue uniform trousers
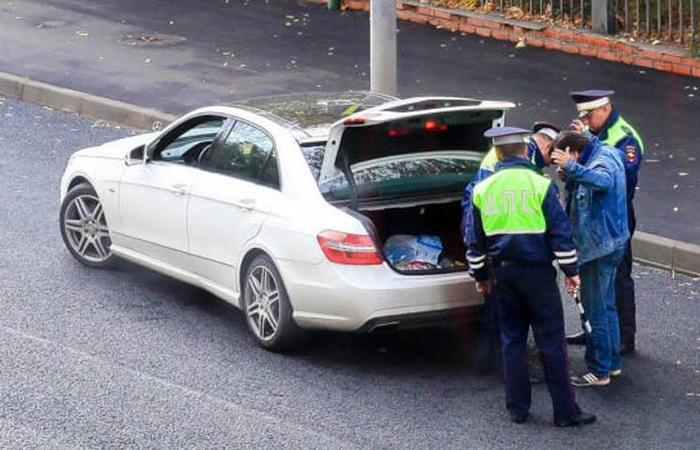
(527, 295)
(624, 287)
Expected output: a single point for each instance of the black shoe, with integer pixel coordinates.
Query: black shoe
(627, 348)
(583, 418)
(519, 418)
(576, 339)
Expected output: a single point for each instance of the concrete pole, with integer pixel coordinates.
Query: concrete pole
(603, 16)
(382, 53)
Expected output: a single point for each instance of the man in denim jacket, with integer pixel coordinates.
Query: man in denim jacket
(597, 206)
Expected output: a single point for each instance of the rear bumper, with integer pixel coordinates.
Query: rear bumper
(365, 298)
(442, 318)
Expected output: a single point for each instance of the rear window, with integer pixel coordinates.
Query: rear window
(413, 157)
(409, 176)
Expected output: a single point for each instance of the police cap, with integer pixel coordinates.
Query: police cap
(546, 128)
(587, 101)
(507, 135)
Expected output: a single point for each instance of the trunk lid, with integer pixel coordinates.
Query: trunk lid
(418, 146)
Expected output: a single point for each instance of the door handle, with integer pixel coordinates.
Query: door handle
(246, 204)
(178, 189)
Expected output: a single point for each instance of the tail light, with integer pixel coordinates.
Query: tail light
(344, 248)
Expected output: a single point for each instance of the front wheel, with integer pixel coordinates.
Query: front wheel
(84, 227)
(267, 308)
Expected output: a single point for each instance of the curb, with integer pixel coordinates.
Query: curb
(648, 248)
(665, 58)
(666, 253)
(25, 89)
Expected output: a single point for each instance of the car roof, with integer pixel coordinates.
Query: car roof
(310, 115)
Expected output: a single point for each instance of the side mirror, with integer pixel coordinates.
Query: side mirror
(134, 157)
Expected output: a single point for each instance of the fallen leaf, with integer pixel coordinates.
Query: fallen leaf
(656, 42)
(82, 33)
(147, 60)
(682, 174)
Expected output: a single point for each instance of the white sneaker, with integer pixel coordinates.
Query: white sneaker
(590, 379)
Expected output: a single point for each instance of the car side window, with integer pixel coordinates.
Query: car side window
(184, 144)
(247, 152)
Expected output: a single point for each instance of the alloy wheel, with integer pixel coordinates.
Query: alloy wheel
(263, 303)
(86, 228)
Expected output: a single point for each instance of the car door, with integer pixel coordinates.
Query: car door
(153, 196)
(230, 201)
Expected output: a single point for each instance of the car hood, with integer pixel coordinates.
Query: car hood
(117, 149)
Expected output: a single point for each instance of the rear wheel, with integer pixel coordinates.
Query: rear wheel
(267, 308)
(84, 227)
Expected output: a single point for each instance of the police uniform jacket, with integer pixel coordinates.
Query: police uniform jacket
(517, 217)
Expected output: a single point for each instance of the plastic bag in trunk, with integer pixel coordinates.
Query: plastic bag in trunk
(413, 252)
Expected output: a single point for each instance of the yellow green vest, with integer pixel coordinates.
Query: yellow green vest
(619, 131)
(510, 202)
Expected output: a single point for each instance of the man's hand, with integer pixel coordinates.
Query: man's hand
(483, 287)
(562, 157)
(578, 125)
(572, 284)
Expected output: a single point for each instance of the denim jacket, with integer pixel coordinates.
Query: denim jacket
(597, 201)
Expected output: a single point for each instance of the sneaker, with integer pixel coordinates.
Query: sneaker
(616, 373)
(583, 418)
(576, 338)
(590, 379)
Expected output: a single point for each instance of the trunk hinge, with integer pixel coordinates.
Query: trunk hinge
(352, 187)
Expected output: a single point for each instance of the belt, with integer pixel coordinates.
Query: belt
(524, 263)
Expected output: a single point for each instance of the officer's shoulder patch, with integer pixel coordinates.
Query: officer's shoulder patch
(631, 153)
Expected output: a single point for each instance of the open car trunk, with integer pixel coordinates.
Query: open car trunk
(408, 237)
(403, 166)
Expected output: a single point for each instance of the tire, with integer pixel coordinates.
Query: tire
(84, 228)
(267, 308)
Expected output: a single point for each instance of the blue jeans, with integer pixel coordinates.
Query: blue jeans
(598, 297)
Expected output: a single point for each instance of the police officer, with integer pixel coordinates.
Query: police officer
(518, 222)
(597, 113)
(488, 349)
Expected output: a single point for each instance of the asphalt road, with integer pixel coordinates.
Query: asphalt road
(130, 359)
(219, 51)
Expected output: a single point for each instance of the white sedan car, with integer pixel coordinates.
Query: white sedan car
(291, 208)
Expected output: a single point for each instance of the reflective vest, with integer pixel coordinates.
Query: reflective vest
(510, 202)
(619, 131)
